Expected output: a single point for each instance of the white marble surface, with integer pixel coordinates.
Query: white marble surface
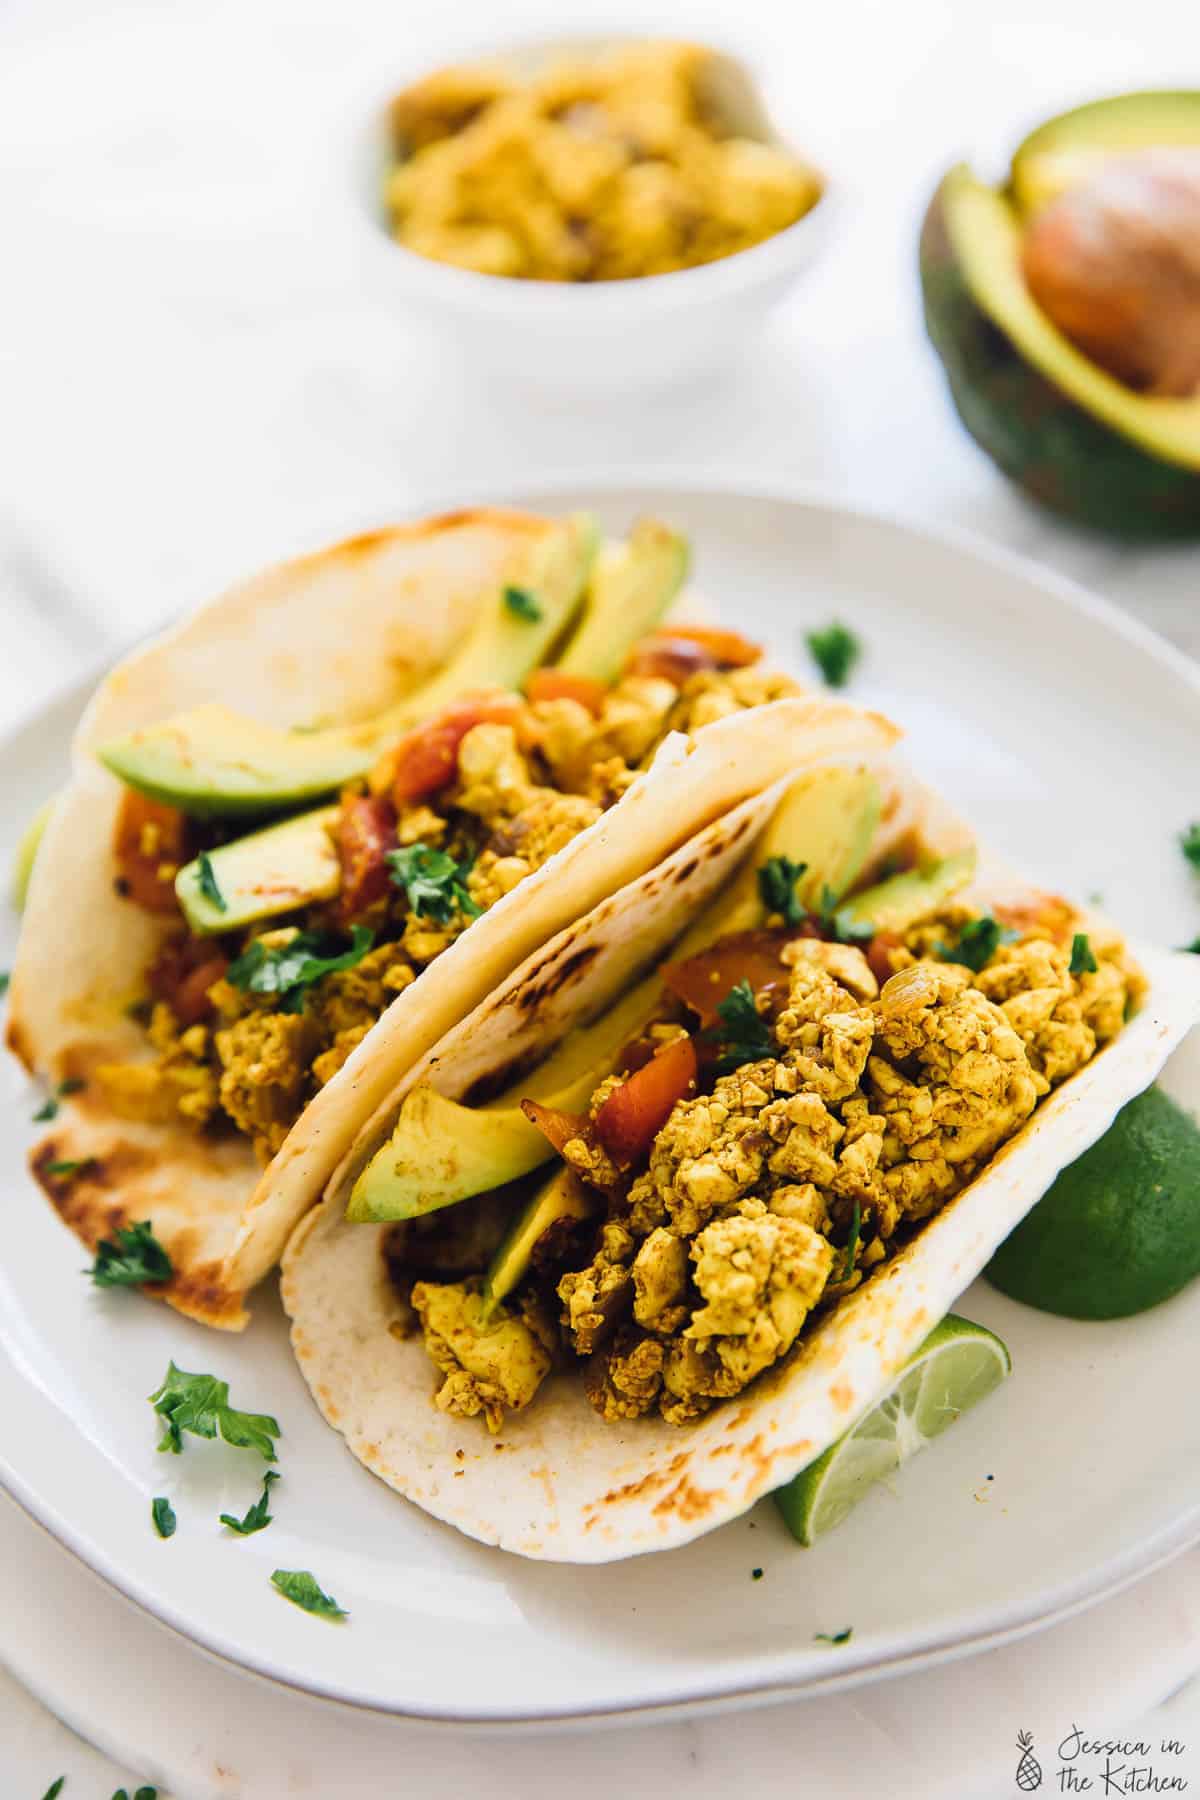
(192, 378)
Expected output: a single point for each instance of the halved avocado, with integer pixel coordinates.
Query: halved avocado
(1071, 435)
(902, 900)
(212, 763)
(563, 1196)
(255, 877)
(632, 585)
(442, 1151)
(1071, 148)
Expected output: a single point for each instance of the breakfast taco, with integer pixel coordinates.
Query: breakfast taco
(651, 1228)
(435, 747)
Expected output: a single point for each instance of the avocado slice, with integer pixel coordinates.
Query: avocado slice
(268, 872)
(25, 854)
(1070, 434)
(1070, 149)
(563, 1196)
(903, 900)
(213, 763)
(442, 1151)
(632, 585)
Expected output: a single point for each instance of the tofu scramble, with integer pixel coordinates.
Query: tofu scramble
(599, 169)
(243, 1028)
(775, 1187)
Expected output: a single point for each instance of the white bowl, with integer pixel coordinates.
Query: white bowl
(639, 332)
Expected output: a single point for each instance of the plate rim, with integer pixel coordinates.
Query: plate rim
(1015, 1620)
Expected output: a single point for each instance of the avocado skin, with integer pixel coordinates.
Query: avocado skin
(1043, 440)
(1137, 1194)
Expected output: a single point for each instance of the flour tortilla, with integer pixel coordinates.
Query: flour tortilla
(560, 1484)
(333, 637)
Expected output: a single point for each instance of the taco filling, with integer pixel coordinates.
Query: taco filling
(292, 941)
(801, 1097)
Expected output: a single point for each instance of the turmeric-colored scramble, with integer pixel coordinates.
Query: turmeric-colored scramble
(597, 169)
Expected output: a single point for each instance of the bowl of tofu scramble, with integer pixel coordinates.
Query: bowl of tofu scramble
(592, 213)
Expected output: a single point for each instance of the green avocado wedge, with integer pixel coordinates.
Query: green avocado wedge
(442, 1151)
(273, 871)
(25, 854)
(213, 763)
(1072, 436)
(901, 900)
(632, 585)
(1119, 1230)
(562, 1197)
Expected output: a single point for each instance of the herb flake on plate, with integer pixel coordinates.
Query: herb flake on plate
(834, 1637)
(163, 1514)
(1189, 843)
(303, 1590)
(256, 1517)
(835, 650)
(200, 1404)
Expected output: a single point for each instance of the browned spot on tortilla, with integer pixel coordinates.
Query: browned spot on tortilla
(545, 1476)
(723, 1450)
(738, 1418)
(688, 1501)
(537, 991)
(367, 541)
(649, 1483)
(18, 1041)
(687, 869)
(842, 1396)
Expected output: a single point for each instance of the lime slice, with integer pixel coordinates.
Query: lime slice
(958, 1363)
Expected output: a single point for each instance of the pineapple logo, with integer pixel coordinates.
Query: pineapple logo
(1029, 1769)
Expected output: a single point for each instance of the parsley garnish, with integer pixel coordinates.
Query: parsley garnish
(200, 1404)
(978, 942)
(433, 883)
(521, 603)
(756, 1574)
(209, 885)
(834, 1637)
(68, 1167)
(257, 1517)
(290, 969)
(49, 1107)
(4, 981)
(1193, 947)
(133, 1256)
(1083, 961)
(1189, 843)
(777, 885)
(743, 1033)
(163, 1514)
(301, 1588)
(143, 1793)
(55, 1789)
(841, 927)
(835, 650)
(851, 1256)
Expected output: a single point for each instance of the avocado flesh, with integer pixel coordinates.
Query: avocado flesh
(1070, 149)
(25, 854)
(985, 234)
(273, 871)
(563, 1196)
(632, 585)
(213, 763)
(442, 1151)
(902, 900)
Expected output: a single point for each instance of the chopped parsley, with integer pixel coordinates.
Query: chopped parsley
(777, 880)
(1189, 843)
(1083, 960)
(209, 885)
(256, 1517)
(200, 1404)
(68, 1166)
(302, 1589)
(55, 1789)
(433, 882)
(743, 1033)
(841, 927)
(756, 1574)
(163, 1514)
(49, 1107)
(4, 981)
(522, 605)
(1193, 947)
(142, 1793)
(834, 1637)
(291, 968)
(133, 1256)
(978, 942)
(835, 650)
(851, 1256)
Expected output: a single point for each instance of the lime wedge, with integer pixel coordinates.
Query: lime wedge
(958, 1363)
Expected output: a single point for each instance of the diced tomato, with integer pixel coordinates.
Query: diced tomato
(704, 980)
(557, 684)
(426, 760)
(366, 831)
(878, 954)
(558, 1127)
(678, 652)
(1038, 911)
(631, 1118)
(151, 843)
(183, 974)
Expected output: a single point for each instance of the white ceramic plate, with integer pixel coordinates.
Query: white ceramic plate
(1066, 734)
